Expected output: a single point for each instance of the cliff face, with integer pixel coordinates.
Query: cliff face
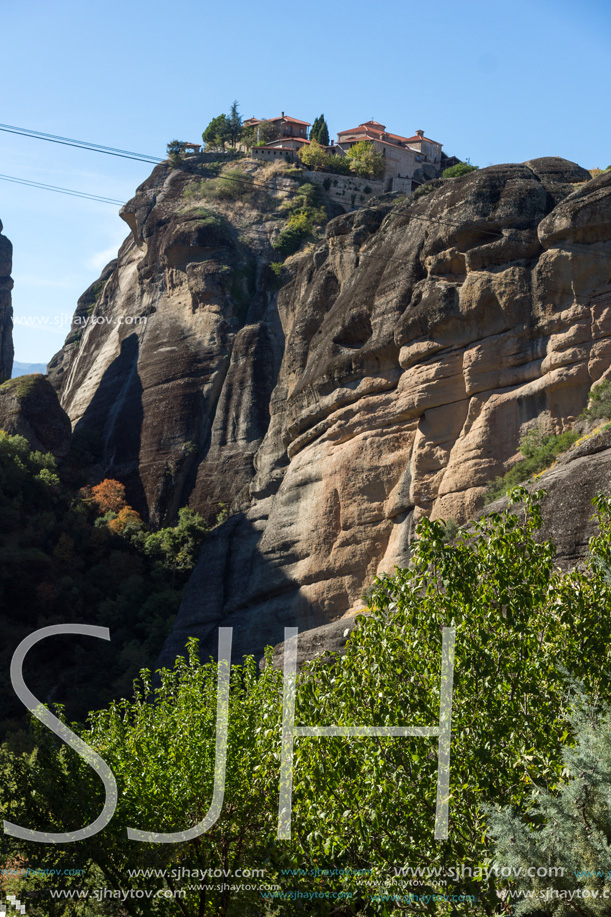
(391, 377)
(420, 343)
(175, 350)
(6, 310)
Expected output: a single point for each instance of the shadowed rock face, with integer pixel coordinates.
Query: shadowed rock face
(174, 351)
(6, 310)
(29, 408)
(417, 343)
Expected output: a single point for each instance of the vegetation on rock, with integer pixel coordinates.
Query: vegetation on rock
(461, 168)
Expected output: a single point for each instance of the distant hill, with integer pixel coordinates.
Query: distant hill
(26, 369)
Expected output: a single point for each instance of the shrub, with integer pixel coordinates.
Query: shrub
(461, 168)
(230, 186)
(599, 404)
(539, 450)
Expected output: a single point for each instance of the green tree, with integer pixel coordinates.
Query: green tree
(461, 168)
(266, 132)
(234, 124)
(175, 153)
(365, 161)
(161, 749)
(218, 133)
(178, 547)
(314, 156)
(320, 131)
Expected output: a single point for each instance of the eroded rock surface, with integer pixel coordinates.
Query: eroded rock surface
(422, 339)
(6, 310)
(391, 377)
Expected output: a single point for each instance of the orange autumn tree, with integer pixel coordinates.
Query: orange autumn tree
(127, 518)
(109, 496)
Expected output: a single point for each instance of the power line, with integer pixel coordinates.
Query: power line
(84, 194)
(79, 144)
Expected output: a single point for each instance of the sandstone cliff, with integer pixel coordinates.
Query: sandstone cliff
(391, 376)
(421, 340)
(6, 310)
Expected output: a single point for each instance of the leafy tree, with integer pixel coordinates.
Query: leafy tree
(461, 168)
(599, 403)
(178, 547)
(365, 161)
(314, 156)
(234, 124)
(109, 496)
(266, 132)
(126, 522)
(161, 749)
(218, 132)
(320, 131)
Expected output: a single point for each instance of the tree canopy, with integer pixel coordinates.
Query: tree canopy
(365, 161)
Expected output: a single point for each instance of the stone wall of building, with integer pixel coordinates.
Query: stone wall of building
(349, 191)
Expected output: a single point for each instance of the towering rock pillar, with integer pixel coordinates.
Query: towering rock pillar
(6, 310)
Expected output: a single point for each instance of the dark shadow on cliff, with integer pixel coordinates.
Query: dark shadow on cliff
(116, 414)
(235, 585)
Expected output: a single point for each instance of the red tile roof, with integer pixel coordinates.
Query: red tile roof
(292, 120)
(370, 128)
(418, 137)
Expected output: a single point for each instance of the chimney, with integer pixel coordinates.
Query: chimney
(332, 142)
(420, 133)
(283, 114)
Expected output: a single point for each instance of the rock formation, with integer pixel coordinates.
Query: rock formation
(6, 310)
(29, 407)
(392, 376)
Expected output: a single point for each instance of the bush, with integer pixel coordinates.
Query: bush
(461, 168)
(599, 404)
(539, 450)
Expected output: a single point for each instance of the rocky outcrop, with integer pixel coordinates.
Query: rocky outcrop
(392, 376)
(422, 339)
(6, 310)
(174, 351)
(29, 407)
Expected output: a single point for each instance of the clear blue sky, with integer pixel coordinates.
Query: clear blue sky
(493, 81)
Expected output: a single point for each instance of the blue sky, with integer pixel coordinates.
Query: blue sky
(493, 81)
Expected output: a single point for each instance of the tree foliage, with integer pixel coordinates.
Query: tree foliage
(564, 835)
(365, 161)
(461, 168)
(314, 156)
(320, 131)
(218, 133)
